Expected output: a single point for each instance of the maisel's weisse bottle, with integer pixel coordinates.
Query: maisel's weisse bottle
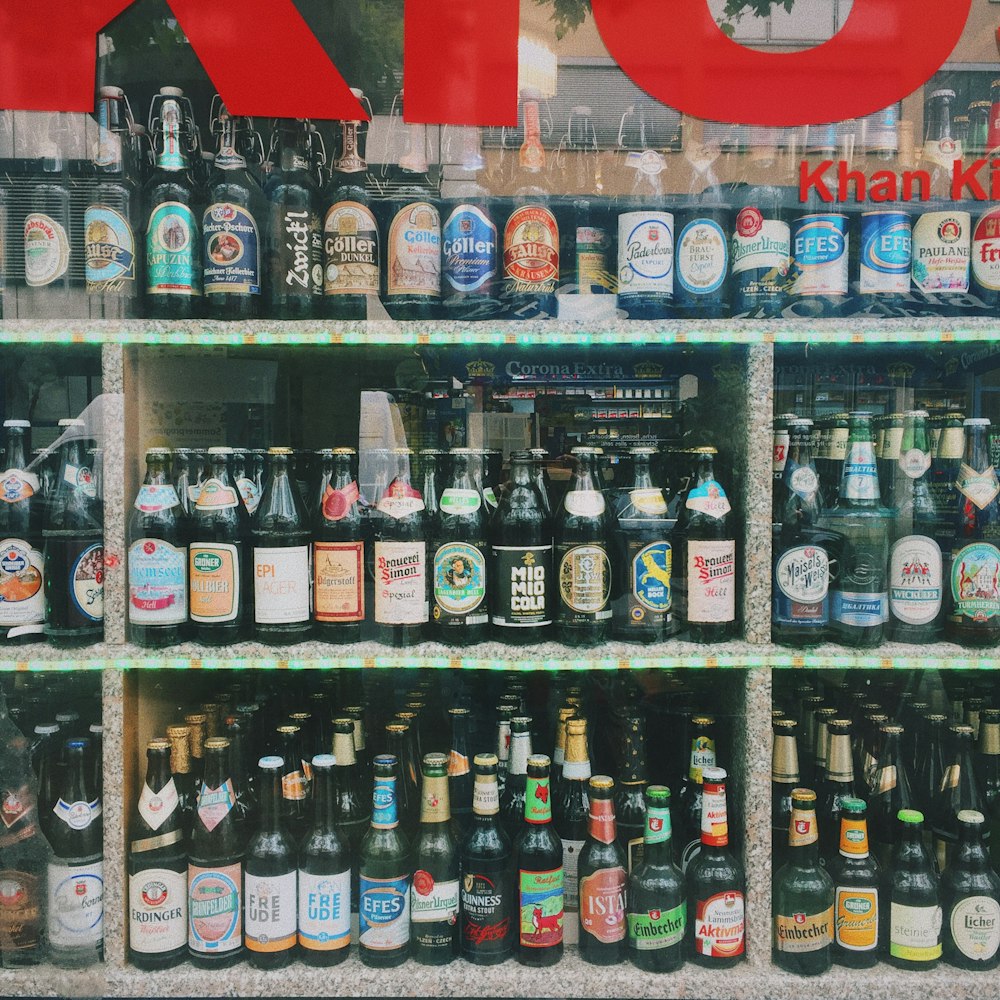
(157, 558)
(581, 553)
(218, 560)
(215, 867)
(630, 804)
(385, 874)
(858, 885)
(715, 879)
(539, 872)
(641, 595)
(488, 916)
(280, 530)
(572, 806)
(232, 237)
(657, 908)
(460, 614)
(521, 575)
(338, 554)
(75, 904)
(689, 804)
(784, 779)
(515, 787)
(711, 556)
(173, 240)
(914, 900)
(434, 893)
(803, 896)
(157, 868)
(74, 548)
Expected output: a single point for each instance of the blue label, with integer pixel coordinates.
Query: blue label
(886, 252)
(819, 251)
(231, 244)
(109, 247)
(384, 809)
(469, 249)
(702, 257)
(384, 913)
(172, 251)
(860, 610)
(651, 576)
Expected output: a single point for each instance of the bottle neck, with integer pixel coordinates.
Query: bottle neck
(270, 800)
(385, 813)
(343, 749)
(520, 751)
(15, 448)
(486, 798)
(324, 802)
(601, 820)
(172, 155)
(803, 840)
(643, 479)
(657, 838)
(158, 770)
(521, 472)
(785, 760)
(583, 475)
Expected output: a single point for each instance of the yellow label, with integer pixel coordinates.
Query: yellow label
(857, 918)
(215, 592)
(854, 837)
(803, 932)
(802, 829)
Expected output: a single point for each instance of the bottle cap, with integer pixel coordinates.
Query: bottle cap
(115, 92)
(77, 744)
(713, 774)
(539, 760)
(344, 451)
(17, 423)
(279, 451)
(802, 794)
(910, 816)
(942, 93)
(602, 782)
(217, 743)
(158, 744)
(971, 816)
(702, 720)
(71, 422)
(977, 422)
(220, 451)
(270, 763)
(323, 760)
(47, 729)
(852, 805)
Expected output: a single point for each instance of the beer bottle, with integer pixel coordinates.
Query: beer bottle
(294, 787)
(219, 564)
(914, 900)
(385, 876)
(975, 566)
(280, 530)
(357, 716)
(803, 896)
(716, 884)
(571, 806)
(434, 893)
(521, 558)
(540, 477)
(563, 715)
(350, 809)
(890, 791)
(630, 801)
(959, 790)
(946, 463)
(858, 886)
(970, 900)
(690, 800)
(351, 249)
(837, 784)
(173, 243)
(338, 555)
(460, 593)
(781, 440)
(157, 868)
(232, 237)
(22, 596)
(930, 764)
(157, 559)
(407, 794)
(460, 780)
(74, 548)
(504, 713)
(215, 867)
(75, 906)
(488, 893)
(512, 798)
(270, 879)
(987, 759)
(430, 459)
(180, 772)
(784, 780)
(539, 872)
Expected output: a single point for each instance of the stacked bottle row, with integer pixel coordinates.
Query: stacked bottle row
(892, 855)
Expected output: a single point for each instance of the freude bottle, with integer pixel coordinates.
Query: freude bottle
(280, 532)
(630, 801)
(75, 898)
(215, 867)
(571, 807)
(385, 876)
(434, 892)
(515, 787)
(716, 885)
(914, 900)
(157, 558)
(219, 565)
(22, 594)
(689, 803)
(784, 780)
(890, 791)
(338, 554)
(959, 790)
(488, 915)
(157, 868)
(858, 881)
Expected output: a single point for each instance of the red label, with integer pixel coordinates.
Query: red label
(338, 503)
(720, 925)
(602, 904)
(531, 246)
(601, 821)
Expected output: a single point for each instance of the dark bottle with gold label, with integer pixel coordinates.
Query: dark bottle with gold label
(630, 802)
(784, 779)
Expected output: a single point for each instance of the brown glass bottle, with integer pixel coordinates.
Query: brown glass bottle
(571, 807)
(689, 801)
(837, 785)
(630, 801)
(784, 778)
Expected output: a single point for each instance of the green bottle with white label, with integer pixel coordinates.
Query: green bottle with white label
(914, 899)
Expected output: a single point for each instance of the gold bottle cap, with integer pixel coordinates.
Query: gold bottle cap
(601, 782)
(158, 744)
(217, 743)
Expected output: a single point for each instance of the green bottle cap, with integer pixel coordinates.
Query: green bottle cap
(852, 805)
(910, 816)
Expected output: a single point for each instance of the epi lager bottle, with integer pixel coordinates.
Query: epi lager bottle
(689, 802)
(858, 887)
(515, 787)
(630, 801)
(784, 780)
(571, 807)
(914, 900)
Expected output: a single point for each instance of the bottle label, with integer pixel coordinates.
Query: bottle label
(802, 829)
(857, 917)
(215, 909)
(986, 251)
(157, 907)
(271, 916)
(351, 250)
(860, 480)
(916, 579)
(400, 500)
(584, 503)
(975, 927)
(152, 499)
(460, 502)
(299, 251)
(980, 487)
(975, 582)
(339, 581)
(384, 910)
(714, 816)
(542, 910)
(20, 910)
(77, 815)
(658, 827)
(779, 453)
(156, 808)
(232, 250)
(709, 498)
(886, 253)
(702, 257)
(385, 805)
(337, 504)
(720, 925)
(593, 274)
(75, 904)
(281, 585)
(651, 566)
(585, 580)
(80, 478)
(538, 803)
(215, 591)
(293, 786)
(646, 253)
(702, 756)
(571, 867)
(915, 932)
(761, 244)
(601, 821)
(802, 480)
(711, 579)
(469, 249)
(531, 250)
(854, 834)
(46, 250)
(521, 574)
(941, 252)
(400, 583)
(157, 583)
(485, 798)
(485, 907)
(602, 904)
(172, 263)
(914, 463)
(324, 911)
(214, 495)
(649, 501)
(86, 582)
(15, 805)
(458, 763)
(109, 249)
(859, 610)
(214, 804)
(414, 248)
(17, 485)
(22, 571)
(249, 493)
(819, 249)
(800, 932)
(432, 901)
(459, 581)
(802, 581)
(656, 929)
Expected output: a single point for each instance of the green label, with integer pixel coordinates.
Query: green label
(460, 502)
(207, 562)
(656, 929)
(541, 906)
(172, 264)
(657, 825)
(537, 801)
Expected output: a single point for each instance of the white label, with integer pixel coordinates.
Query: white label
(155, 808)
(914, 927)
(22, 596)
(760, 243)
(46, 250)
(986, 250)
(400, 506)
(975, 927)
(76, 904)
(271, 915)
(281, 585)
(804, 481)
(414, 250)
(77, 815)
(432, 901)
(916, 580)
(460, 501)
(157, 901)
(571, 873)
(702, 257)
(803, 574)
(711, 578)
(157, 583)
(646, 253)
(584, 503)
(915, 462)
(324, 911)
(941, 252)
(486, 798)
(401, 583)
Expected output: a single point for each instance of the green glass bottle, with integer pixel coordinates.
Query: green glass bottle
(857, 880)
(914, 900)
